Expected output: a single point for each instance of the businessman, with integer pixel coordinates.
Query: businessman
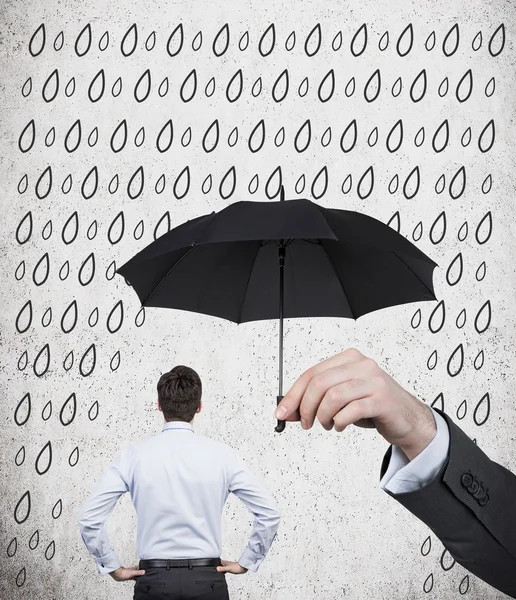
(179, 482)
(432, 467)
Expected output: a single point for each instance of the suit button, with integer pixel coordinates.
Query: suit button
(473, 488)
(484, 500)
(479, 493)
(467, 479)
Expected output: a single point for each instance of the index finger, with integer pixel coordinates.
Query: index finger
(288, 408)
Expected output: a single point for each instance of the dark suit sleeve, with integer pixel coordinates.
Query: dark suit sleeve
(471, 507)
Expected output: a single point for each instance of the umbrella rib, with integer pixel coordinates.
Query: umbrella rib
(168, 273)
(247, 283)
(413, 273)
(339, 280)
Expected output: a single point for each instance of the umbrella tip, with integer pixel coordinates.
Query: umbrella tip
(282, 194)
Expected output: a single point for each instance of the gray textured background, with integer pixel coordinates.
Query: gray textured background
(341, 535)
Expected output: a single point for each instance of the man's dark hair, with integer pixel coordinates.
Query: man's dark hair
(179, 393)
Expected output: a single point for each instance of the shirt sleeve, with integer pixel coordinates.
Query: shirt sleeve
(247, 487)
(94, 512)
(403, 475)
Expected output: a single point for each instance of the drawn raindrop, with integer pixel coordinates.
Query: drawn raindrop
(20, 271)
(384, 42)
(483, 318)
(418, 232)
(210, 88)
(280, 87)
(303, 136)
(44, 183)
(253, 184)
(83, 41)
(431, 363)
(115, 317)
(482, 410)
(42, 362)
(189, 86)
(197, 41)
(303, 88)
(23, 361)
(416, 319)
(93, 318)
(64, 271)
(150, 42)
(50, 550)
(57, 509)
(300, 184)
(92, 230)
(129, 41)
(443, 87)
(490, 87)
(465, 86)
(175, 41)
(366, 184)
(97, 86)
(159, 188)
(228, 184)
(438, 402)
(24, 318)
(67, 184)
(463, 232)
(487, 184)
(267, 41)
(22, 509)
(117, 88)
(206, 184)
(313, 41)
(418, 87)
(19, 459)
(51, 86)
(221, 41)
(235, 86)
(437, 318)
(320, 183)
(481, 271)
(46, 413)
(394, 184)
(162, 226)
(411, 185)
(484, 229)
(73, 459)
(34, 540)
(93, 412)
(346, 184)
(23, 184)
(37, 41)
(487, 137)
(420, 137)
(46, 319)
(290, 42)
(464, 585)
(326, 137)
(395, 222)
(359, 41)
(182, 183)
(88, 361)
(23, 410)
(140, 317)
(350, 87)
(73, 137)
(395, 137)
(114, 363)
(461, 319)
(441, 137)
(87, 270)
(41, 270)
(405, 41)
(426, 546)
(373, 137)
(69, 318)
(186, 138)
(497, 41)
(438, 229)
(257, 87)
(479, 360)
(134, 189)
(90, 184)
(143, 86)
(466, 137)
(477, 41)
(68, 410)
(104, 41)
(428, 584)
(165, 137)
(27, 137)
(27, 87)
(447, 561)
(11, 549)
(279, 138)
(451, 41)
(139, 138)
(373, 86)
(461, 413)
(163, 88)
(244, 41)
(455, 270)
(68, 361)
(44, 459)
(456, 361)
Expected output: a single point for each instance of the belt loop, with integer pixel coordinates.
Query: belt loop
(190, 566)
(168, 565)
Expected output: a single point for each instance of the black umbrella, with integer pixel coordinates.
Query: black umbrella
(334, 263)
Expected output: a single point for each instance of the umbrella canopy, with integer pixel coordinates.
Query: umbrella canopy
(280, 259)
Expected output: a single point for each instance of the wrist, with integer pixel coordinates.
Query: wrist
(424, 432)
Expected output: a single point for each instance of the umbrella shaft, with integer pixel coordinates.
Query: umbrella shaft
(281, 254)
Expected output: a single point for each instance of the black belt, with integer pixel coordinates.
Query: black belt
(179, 562)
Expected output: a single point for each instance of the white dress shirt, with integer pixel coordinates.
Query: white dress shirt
(179, 482)
(403, 475)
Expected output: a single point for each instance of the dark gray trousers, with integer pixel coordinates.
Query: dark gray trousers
(181, 583)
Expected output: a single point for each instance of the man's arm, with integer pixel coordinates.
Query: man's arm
(94, 512)
(258, 500)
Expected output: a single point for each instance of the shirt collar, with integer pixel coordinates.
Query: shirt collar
(177, 425)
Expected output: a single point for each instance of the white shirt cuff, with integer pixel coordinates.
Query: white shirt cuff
(250, 560)
(403, 475)
(108, 563)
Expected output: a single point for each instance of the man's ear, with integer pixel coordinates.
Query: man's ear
(157, 402)
(200, 407)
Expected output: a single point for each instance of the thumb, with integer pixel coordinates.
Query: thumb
(139, 571)
(288, 409)
(223, 569)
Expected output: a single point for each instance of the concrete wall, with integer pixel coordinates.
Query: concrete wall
(341, 535)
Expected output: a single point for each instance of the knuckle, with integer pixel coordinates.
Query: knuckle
(318, 381)
(352, 353)
(333, 395)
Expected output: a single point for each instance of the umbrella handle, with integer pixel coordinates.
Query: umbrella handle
(281, 424)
